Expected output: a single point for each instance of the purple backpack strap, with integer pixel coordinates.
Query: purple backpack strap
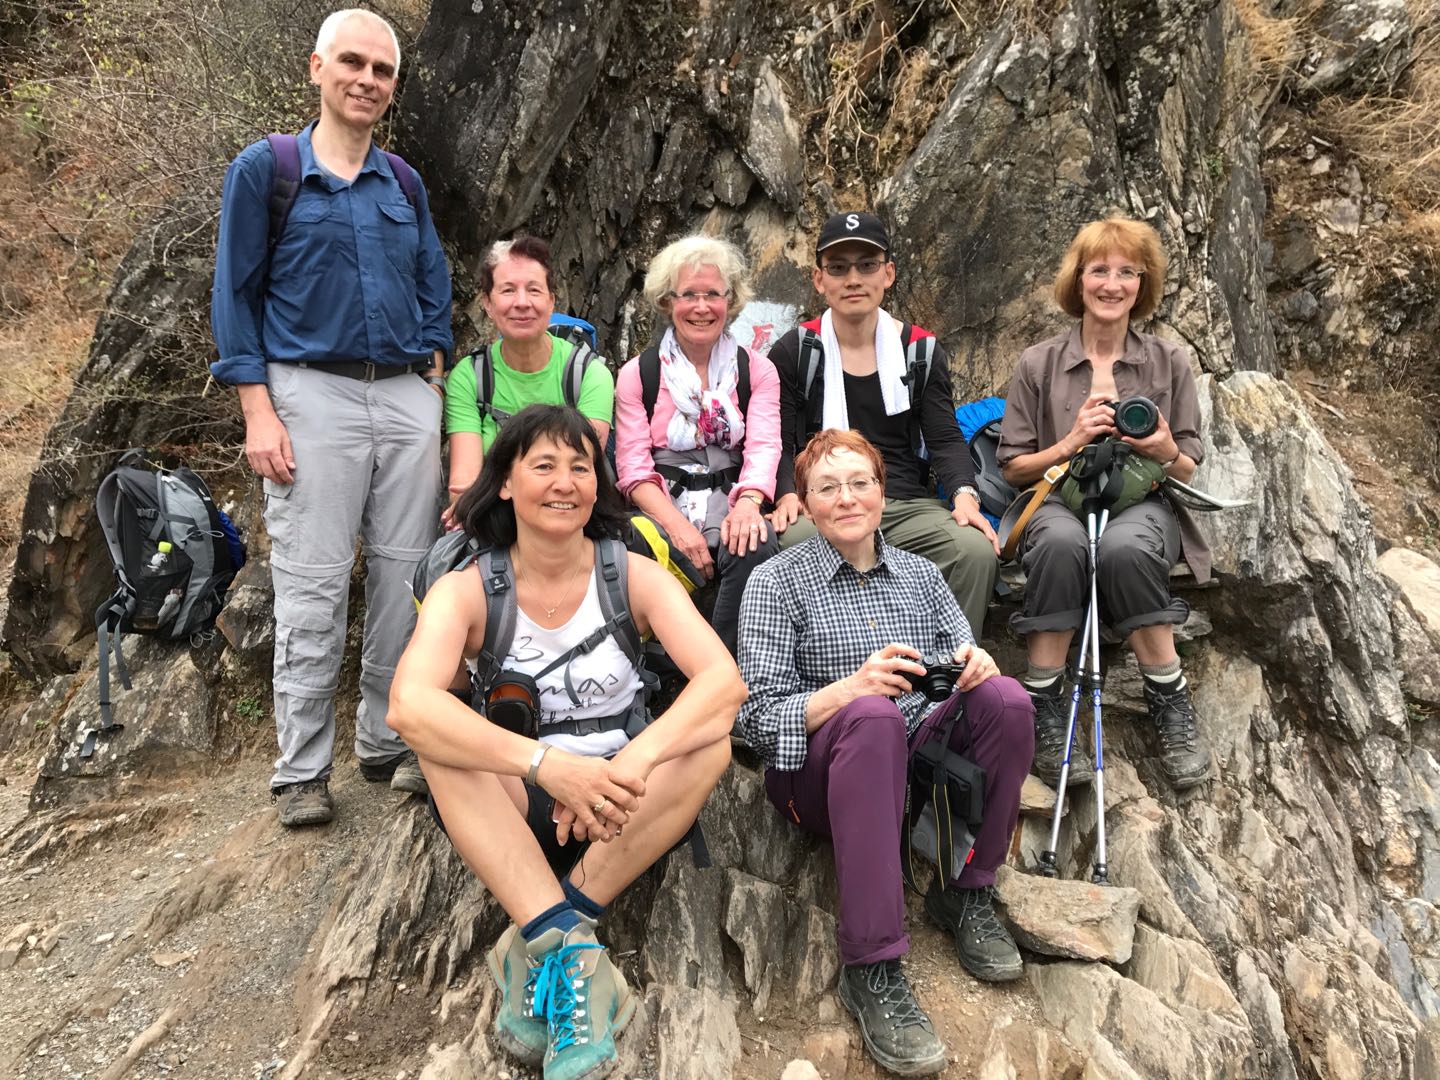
(285, 183)
(409, 181)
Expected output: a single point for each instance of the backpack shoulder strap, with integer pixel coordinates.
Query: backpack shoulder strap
(742, 378)
(919, 355)
(809, 364)
(284, 182)
(409, 180)
(650, 380)
(612, 567)
(484, 364)
(501, 606)
(574, 377)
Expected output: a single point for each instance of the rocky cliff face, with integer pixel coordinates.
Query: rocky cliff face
(1278, 922)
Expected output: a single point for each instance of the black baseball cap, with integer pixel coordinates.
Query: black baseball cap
(855, 225)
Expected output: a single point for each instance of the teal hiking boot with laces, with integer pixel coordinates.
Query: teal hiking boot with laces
(586, 1003)
(562, 1002)
(517, 1029)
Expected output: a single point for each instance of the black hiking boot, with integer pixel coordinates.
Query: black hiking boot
(987, 951)
(1052, 711)
(1183, 753)
(896, 1030)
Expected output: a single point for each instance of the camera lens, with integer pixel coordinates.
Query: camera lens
(1136, 417)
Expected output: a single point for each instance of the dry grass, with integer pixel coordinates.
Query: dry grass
(1399, 136)
(1275, 43)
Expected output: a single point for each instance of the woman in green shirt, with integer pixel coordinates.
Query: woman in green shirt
(529, 363)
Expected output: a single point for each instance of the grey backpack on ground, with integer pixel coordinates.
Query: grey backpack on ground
(175, 554)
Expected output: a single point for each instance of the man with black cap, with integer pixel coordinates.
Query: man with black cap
(859, 367)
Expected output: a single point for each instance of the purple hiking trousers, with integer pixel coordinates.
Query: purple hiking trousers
(852, 789)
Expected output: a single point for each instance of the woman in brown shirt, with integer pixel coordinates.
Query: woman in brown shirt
(1059, 402)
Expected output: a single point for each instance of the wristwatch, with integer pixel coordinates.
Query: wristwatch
(964, 490)
(435, 380)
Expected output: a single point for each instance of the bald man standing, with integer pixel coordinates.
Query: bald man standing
(331, 312)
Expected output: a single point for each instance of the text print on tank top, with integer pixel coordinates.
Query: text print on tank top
(604, 679)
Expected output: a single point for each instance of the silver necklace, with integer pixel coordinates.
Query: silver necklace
(550, 611)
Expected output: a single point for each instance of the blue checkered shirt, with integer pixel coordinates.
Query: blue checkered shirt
(809, 618)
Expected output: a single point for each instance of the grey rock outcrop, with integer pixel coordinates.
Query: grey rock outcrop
(1415, 612)
(1278, 922)
(1360, 46)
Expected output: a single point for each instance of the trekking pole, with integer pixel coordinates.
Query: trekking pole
(1089, 648)
(1096, 468)
(1101, 876)
(1048, 867)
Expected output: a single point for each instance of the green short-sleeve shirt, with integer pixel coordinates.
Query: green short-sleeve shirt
(516, 389)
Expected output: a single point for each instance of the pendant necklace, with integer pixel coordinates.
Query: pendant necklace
(550, 611)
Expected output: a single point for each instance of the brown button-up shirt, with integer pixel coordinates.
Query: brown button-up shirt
(1053, 380)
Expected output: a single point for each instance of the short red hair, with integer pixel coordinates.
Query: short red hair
(824, 443)
(1116, 235)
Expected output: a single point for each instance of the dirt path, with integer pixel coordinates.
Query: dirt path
(173, 936)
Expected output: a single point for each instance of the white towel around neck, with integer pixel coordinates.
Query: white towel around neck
(889, 365)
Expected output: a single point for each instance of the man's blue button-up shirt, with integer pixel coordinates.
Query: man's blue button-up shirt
(358, 273)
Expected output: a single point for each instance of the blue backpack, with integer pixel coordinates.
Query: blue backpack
(979, 423)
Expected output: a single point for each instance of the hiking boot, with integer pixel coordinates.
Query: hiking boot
(565, 1007)
(381, 772)
(305, 803)
(1052, 712)
(896, 1030)
(407, 775)
(517, 1029)
(987, 951)
(1183, 753)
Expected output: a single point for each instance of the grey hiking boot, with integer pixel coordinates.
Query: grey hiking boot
(407, 775)
(1183, 753)
(1052, 712)
(896, 1030)
(987, 951)
(305, 803)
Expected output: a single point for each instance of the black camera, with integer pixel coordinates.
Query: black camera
(938, 682)
(1136, 416)
(513, 702)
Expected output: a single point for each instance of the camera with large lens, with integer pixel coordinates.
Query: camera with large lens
(1135, 416)
(938, 682)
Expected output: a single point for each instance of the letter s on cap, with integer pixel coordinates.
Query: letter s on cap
(852, 221)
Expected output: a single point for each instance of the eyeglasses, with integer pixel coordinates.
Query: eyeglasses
(709, 296)
(830, 490)
(1127, 275)
(841, 269)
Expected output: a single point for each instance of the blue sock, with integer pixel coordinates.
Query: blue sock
(582, 903)
(561, 916)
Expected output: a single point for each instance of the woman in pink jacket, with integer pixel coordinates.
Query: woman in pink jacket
(697, 422)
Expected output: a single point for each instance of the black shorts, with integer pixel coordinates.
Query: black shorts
(540, 817)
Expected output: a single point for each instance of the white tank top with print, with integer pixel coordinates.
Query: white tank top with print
(604, 679)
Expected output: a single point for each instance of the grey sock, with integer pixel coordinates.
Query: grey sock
(1167, 675)
(1040, 679)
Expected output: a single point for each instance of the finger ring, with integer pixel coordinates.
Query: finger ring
(599, 806)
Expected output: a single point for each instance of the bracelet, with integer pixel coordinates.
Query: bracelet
(1166, 466)
(540, 752)
(753, 496)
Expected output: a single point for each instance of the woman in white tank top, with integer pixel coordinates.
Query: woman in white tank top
(509, 802)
